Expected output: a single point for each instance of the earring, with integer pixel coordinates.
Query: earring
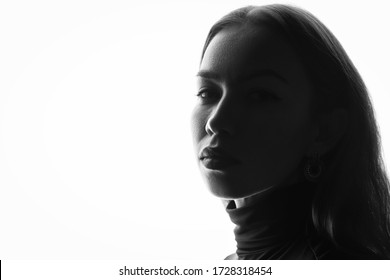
(313, 168)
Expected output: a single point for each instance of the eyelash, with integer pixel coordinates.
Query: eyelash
(208, 92)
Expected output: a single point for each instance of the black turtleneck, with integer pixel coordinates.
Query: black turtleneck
(277, 225)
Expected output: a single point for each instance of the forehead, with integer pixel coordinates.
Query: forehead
(240, 50)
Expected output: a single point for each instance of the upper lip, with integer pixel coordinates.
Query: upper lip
(215, 152)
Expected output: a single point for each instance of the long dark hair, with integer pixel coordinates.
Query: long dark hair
(351, 205)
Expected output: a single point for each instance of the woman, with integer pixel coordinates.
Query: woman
(285, 133)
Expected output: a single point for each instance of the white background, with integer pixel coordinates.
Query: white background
(96, 158)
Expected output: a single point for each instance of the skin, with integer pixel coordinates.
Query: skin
(263, 121)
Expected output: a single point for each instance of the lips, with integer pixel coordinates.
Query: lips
(216, 158)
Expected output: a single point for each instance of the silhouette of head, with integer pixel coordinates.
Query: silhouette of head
(276, 87)
(255, 121)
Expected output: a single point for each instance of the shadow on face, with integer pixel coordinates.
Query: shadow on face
(251, 125)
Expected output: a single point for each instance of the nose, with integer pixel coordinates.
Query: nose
(223, 118)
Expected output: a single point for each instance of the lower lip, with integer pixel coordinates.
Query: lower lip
(218, 163)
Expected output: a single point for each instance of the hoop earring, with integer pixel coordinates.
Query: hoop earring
(313, 168)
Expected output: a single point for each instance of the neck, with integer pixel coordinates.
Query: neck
(251, 199)
(271, 217)
(248, 200)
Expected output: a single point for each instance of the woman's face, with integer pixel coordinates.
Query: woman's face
(251, 124)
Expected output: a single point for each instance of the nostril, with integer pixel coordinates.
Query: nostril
(214, 127)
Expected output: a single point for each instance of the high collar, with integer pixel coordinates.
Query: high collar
(272, 221)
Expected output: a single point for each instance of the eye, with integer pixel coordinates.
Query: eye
(204, 94)
(207, 95)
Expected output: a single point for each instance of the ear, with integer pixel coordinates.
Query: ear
(330, 128)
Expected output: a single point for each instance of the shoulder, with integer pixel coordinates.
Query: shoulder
(232, 257)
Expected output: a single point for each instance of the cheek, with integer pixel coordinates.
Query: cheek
(198, 123)
(281, 139)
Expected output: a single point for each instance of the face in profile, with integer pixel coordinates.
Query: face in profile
(252, 124)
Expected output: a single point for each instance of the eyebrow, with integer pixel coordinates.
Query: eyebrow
(242, 78)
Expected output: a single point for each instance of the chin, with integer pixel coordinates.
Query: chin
(234, 187)
(232, 192)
